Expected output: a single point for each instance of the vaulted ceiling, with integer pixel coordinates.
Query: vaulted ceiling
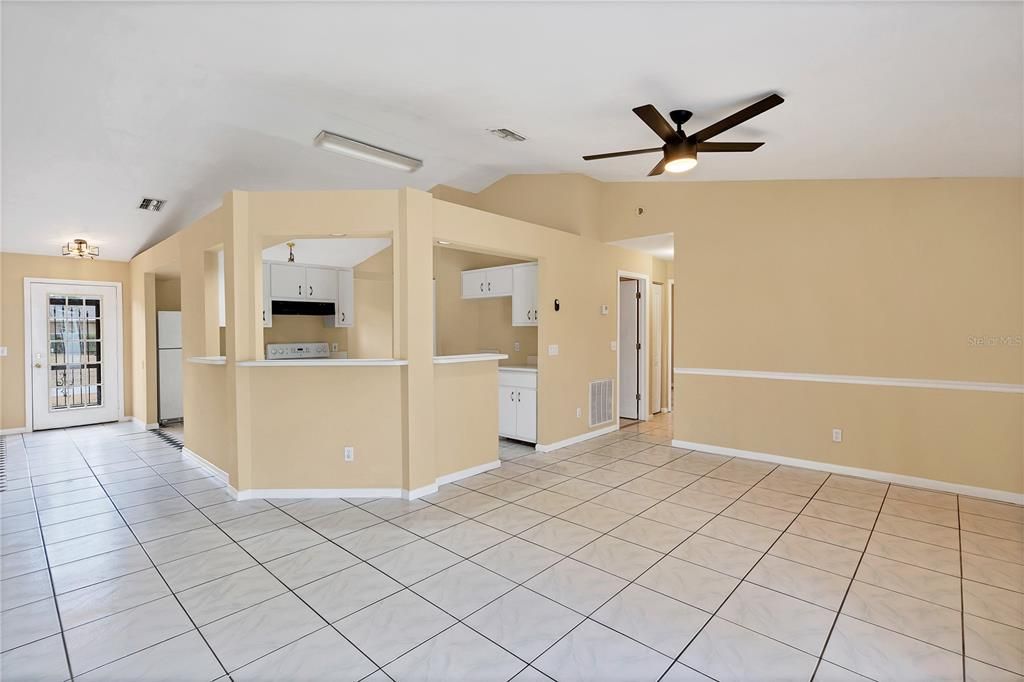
(105, 103)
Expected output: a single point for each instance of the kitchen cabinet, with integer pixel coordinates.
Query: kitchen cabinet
(287, 282)
(487, 282)
(517, 405)
(524, 295)
(321, 284)
(268, 319)
(344, 304)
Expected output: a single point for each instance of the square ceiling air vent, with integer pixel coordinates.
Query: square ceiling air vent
(151, 204)
(506, 134)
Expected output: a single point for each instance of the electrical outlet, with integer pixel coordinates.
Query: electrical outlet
(579, 412)
(3, 351)
(553, 349)
(516, 346)
(350, 454)
(334, 348)
(837, 435)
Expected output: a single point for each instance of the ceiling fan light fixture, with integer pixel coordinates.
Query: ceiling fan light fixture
(79, 248)
(681, 165)
(366, 152)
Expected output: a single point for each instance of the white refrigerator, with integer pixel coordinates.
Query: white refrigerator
(169, 366)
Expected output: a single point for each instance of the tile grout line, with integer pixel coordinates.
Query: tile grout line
(153, 566)
(49, 572)
(849, 586)
(963, 611)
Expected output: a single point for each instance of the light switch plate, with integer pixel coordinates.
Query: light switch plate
(837, 435)
(553, 349)
(516, 346)
(604, 309)
(3, 351)
(614, 345)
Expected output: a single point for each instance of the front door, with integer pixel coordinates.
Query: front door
(75, 354)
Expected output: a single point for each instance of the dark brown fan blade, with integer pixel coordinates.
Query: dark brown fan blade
(656, 122)
(728, 146)
(658, 169)
(631, 152)
(739, 117)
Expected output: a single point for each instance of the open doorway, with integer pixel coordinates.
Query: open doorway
(632, 346)
(170, 372)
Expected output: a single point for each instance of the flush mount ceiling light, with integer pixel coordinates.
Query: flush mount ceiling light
(366, 152)
(151, 204)
(506, 134)
(79, 248)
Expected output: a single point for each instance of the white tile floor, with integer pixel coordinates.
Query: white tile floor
(617, 559)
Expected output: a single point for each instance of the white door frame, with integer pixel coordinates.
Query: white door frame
(669, 373)
(644, 350)
(658, 316)
(118, 341)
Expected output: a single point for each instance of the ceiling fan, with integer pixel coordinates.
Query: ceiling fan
(680, 150)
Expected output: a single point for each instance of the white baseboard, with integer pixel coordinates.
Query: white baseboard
(211, 467)
(576, 439)
(292, 493)
(884, 476)
(316, 493)
(139, 422)
(13, 432)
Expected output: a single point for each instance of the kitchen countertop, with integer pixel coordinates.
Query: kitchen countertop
(325, 362)
(208, 360)
(468, 357)
(518, 368)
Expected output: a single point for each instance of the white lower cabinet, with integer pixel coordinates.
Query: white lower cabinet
(517, 405)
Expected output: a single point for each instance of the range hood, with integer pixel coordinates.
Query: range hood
(301, 308)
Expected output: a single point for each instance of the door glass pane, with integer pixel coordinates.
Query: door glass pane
(75, 358)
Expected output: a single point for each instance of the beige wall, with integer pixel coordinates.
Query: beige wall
(14, 268)
(168, 293)
(372, 333)
(871, 278)
(303, 418)
(885, 278)
(472, 325)
(304, 329)
(466, 400)
(583, 275)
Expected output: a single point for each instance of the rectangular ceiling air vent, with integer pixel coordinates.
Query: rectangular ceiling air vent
(506, 134)
(151, 204)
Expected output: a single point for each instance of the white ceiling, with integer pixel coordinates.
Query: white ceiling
(106, 103)
(342, 253)
(658, 245)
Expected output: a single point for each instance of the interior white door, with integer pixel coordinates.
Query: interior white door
(75, 354)
(655, 345)
(629, 354)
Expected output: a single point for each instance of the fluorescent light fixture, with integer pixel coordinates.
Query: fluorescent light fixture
(366, 152)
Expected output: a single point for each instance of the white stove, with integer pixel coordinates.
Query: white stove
(298, 351)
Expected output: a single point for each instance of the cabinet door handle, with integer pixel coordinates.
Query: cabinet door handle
(343, 317)
(488, 286)
(300, 290)
(311, 291)
(481, 287)
(528, 314)
(512, 395)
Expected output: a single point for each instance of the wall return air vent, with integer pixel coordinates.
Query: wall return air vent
(601, 405)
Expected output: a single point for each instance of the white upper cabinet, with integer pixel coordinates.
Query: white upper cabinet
(268, 318)
(524, 295)
(287, 282)
(499, 281)
(474, 284)
(344, 306)
(321, 284)
(487, 282)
